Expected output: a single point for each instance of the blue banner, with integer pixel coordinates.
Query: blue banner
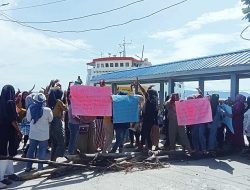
(228, 120)
(125, 109)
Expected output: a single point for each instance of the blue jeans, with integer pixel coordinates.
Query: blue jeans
(120, 133)
(73, 134)
(41, 152)
(202, 137)
(199, 137)
(212, 138)
(195, 137)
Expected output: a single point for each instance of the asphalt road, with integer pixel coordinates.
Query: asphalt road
(213, 174)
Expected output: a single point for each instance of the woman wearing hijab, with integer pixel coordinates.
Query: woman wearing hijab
(10, 134)
(25, 125)
(215, 124)
(56, 129)
(174, 129)
(237, 139)
(198, 134)
(149, 116)
(39, 117)
(28, 102)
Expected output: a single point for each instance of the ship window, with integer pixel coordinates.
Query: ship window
(98, 65)
(111, 64)
(107, 65)
(116, 65)
(127, 64)
(102, 65)
(121, 64)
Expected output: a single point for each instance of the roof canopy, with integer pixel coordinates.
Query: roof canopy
(210, 67)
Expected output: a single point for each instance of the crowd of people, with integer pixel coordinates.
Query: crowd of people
(44, 123)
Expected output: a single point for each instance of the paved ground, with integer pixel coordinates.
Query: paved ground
(213, 174)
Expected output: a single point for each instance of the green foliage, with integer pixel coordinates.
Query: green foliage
(246, 10)
(246, 2)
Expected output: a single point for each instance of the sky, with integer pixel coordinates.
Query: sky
(193, 29)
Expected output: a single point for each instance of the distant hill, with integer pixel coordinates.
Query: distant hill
(223, 95)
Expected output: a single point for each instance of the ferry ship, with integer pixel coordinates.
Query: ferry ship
(104, 65)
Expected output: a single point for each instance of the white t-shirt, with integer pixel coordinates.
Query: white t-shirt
(40, 130)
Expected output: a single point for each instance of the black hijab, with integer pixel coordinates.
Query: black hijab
(7, 102)
(214, 103)
(152, 96)
(54, 95)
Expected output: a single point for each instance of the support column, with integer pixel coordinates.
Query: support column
(201, 86)
(161, 94)
(114, 88)
(170, 86)
(234, 86)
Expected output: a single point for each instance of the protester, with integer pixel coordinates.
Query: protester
(10, 135)
(135, 129)
(166, 123)
(149, 116)
(108, 132)
(189, 128)
(198, 134)
(56, 128)
(73, 126)
(215, 124)
(100, 133)
(66, 120)
(237, 139)
(247, 123)
(86, 138)
(39, 117)
(120, 132)
(25, 125)
(175, 130)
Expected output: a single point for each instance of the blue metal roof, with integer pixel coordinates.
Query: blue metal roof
(219, 62)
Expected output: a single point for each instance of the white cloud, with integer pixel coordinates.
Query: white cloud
(171, 34)
(199, 45)
(189, 41)
(218, 16)
(228, 14)
(29, 57)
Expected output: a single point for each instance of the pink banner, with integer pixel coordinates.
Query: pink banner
(193, 111)
(91, 100)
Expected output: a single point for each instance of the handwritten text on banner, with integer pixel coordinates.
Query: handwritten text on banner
(194, 111)
(91, 100)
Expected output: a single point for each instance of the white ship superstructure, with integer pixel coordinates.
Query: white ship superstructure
(110, 64)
